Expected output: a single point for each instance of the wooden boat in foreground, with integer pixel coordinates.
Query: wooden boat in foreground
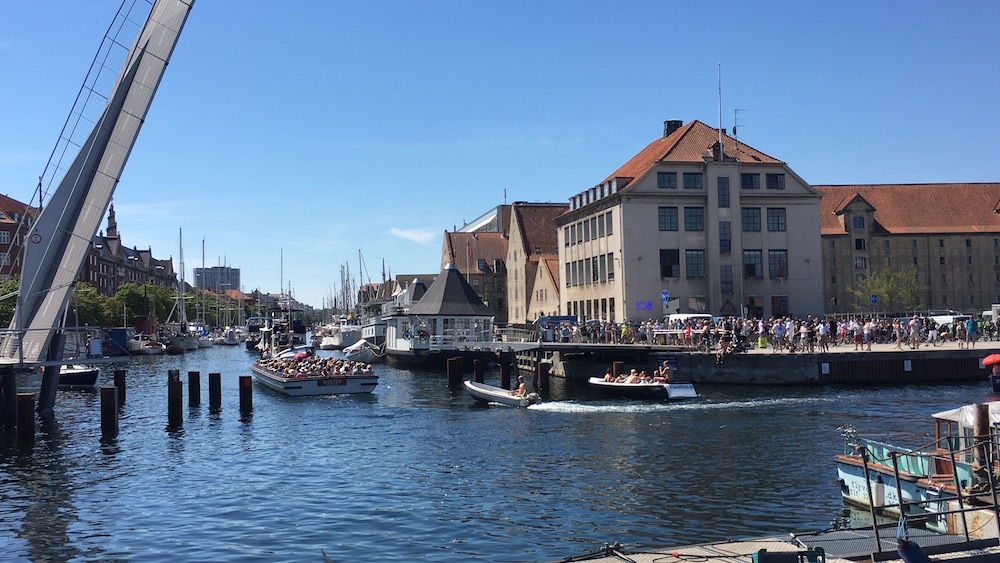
(490, 394)
(648, 391)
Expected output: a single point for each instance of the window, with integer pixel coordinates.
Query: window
(670, 263)
(726, 278)
(604, 268)
(593, 228)
(775, 181)
(833, 280)
(968, 260)
(861, 263)
(586, 271)
(751, 219)
(608, 221)
(913, 243)
(860, 244)
(666, 179)
(668, 218)
(750, 181)
(572, 234)
(777, 263)
(753, 264)
(968, 241)
(565, 236)
(723, 184)
(611, 266)
(725, 237)
(694, 219)
(941, 242)
(776, 219)
(859, 222)
(586, 230)
(4, 237)
(885, 244)
(600, 226)
(579, 233)
(941, 260)
(568, 274)
(594, 271)
(694, 263)
(692, 180)
(833, 245)
(4, 258)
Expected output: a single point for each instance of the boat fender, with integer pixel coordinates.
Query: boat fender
(910, 552)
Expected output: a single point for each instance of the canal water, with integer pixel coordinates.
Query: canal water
(417, 471)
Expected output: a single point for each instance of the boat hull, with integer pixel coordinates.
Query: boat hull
(645, 391)
(78, 378)
(490, 394)
(346, 384)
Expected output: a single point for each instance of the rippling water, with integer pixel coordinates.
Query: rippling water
(417, 471)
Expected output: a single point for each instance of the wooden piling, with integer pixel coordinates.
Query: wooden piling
(194, 388)
(175, 400)
(541, 376)
(109, 409)
(26, 419)
(246, 395)
(120, 385)
(173, 375)
(454, 367)
(8, 390)
(507, 364)
(215, 392)
(477, 370)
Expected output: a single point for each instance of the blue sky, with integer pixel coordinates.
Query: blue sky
(321, 129)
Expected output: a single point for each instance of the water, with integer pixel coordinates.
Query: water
(416, 471)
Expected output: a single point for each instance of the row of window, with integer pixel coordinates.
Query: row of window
(861, 243)
(588, 229)
(598, 269)
(694, 220)
(861, 262)
(694, 264)
(593, 309)
(693, 181)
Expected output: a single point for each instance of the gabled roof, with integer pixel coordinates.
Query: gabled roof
(450, 294)
(688, 144)
(537, 226)
(916, 208)
(464, 250)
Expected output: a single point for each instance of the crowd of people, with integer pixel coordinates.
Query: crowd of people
(308, 365)
(727, 335)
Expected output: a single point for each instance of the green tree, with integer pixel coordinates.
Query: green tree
(8, 289)
(897, 290)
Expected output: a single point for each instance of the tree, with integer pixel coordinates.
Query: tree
(8, 289)
(897, 290)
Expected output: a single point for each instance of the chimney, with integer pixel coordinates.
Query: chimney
(671, 125)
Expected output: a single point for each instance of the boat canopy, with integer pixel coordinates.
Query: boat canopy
(966, 416)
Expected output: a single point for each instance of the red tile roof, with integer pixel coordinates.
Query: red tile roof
(537, 223)
(916, 208)
(689, 143)
(482, 245)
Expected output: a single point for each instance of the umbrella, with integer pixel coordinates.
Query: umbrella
(991, 359)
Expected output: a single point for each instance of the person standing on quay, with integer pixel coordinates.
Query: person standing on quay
(972, 332)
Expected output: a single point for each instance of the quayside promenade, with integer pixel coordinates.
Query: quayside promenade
(842, 364)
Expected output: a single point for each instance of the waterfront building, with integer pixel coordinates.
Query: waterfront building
(109, 264)
(479, 257)
(533, 261)
(217, 278)
(698, 217)
(16, 219)
(947, 234)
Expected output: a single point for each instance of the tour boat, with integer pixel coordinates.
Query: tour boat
(313, 382)
(490, 394)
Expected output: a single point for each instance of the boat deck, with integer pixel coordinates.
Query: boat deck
(840, 546)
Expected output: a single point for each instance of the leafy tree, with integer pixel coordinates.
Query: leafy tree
(8, 288)
(897, 290)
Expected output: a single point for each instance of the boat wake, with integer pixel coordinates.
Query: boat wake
(672, 406)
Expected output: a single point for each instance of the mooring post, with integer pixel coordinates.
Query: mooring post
(175, 398)
(109, 410)
(120, 385)
(541, 376)
(617, 368)
(8, 406)
(246, 395)
(194, 388)
(215, 392)
(506, 363)
(26, 419)
(454, 367)
(477, 370)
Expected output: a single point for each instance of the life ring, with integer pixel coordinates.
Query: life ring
(423, 334)
(407, 335)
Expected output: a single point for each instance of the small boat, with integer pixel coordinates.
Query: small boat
(649, 391)
(309, 375)
(362, 351)
(78, 377)
(490, 394)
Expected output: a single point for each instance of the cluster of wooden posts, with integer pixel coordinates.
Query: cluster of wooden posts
(112, 397)
(508, 366)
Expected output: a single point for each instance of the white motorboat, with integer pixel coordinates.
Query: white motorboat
(78, 377)
(362, 351)
(490, 394)
(656, 391)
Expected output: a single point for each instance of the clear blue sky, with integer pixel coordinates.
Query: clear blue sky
(323, 128)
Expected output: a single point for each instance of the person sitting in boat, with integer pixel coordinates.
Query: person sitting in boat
(610, 378)
(522, 388)
(644, 377)
(633, 377)
(666, 374)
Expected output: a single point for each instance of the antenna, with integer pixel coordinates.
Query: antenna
(736, 121)
(722, 153)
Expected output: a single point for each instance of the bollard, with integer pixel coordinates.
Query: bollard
(120, 385)
(477, 370)
(173, 375)
(194, 388)
(215, 392)
(26, 419)
(246, 395)
(541, 376)
(175, 400)
(617, 368)
(506, 363)
(109, 410)
(454, 372)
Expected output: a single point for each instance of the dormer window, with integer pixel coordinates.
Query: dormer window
(859, 222)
